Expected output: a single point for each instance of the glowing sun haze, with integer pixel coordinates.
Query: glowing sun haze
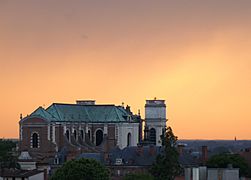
(194, 54)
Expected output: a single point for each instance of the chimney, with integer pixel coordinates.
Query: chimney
(180, 149)
(128, 109)
(85, 102)
(152, 150)
(106, 156)
(204, 157)
(140, 150)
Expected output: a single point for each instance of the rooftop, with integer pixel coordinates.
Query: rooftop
(18, 173)
(155, 103)
(81, 112)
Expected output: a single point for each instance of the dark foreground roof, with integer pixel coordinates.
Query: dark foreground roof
(18, 173)
(139, 156)
(96, 156)
(144, 156)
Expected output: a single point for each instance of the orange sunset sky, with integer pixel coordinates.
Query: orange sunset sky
(194, 54)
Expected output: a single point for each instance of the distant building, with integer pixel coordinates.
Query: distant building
(132, 159)
(246, 154)
(155, 119)
(6, 174)
(63, 131)
(204, 173)
(67, 131)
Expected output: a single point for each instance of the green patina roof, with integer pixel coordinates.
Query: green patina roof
(85, 113)
(40, 112)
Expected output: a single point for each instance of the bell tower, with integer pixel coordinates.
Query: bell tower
(155, 119)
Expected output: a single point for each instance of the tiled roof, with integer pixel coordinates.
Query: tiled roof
(82, 113)
(95, 156)
(9, 173)
(133, 156)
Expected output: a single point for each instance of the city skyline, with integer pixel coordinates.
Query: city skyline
(195, 55)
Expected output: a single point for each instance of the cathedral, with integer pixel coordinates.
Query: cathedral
(65, 131)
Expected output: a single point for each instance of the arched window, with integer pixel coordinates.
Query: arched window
(89, 135)
(82, 134)
(75, 134)
(129, 139)
(34, 140)
(67, 134)
(152, 135)
(99, 137)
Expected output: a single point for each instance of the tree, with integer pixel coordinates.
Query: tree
(224, 160)
(138, 177)
(7, 157)
(167, 165)
(84, 169)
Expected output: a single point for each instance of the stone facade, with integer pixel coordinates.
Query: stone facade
(155, 117)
